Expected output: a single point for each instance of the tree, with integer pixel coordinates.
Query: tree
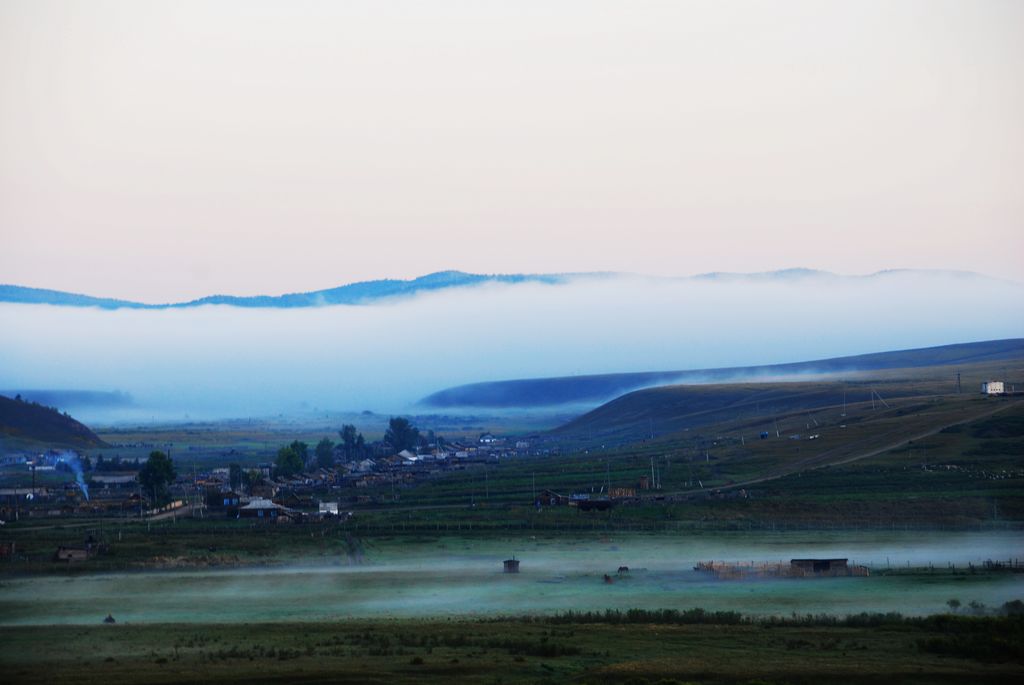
(953, 604)
(156, 475)
(235, 476)
(349, 437)
(301, 449)
(401, 434)
(325, 453)
(352, 442)
(288, 462)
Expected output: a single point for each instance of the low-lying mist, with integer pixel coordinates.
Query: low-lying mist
(220, 361)
(412, 577)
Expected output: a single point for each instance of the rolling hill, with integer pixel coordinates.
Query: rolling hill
(27, 424)
(549, 392)
(670, 409)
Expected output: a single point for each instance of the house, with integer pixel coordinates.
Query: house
(364, 466)
(265, 510)
(551, 498)
(224, 500)
(119, 481)
(294, 500)
(69, 554)
(511, 565)
(90, 549)
(487, 439)
(993, 388)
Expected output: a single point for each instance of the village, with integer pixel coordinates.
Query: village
(63, 483)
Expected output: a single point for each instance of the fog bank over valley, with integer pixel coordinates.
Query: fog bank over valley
(219, 361)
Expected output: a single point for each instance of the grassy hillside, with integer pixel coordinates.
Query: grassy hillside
(669, 409)
(538, 392)
(27, 424)
(928, 463)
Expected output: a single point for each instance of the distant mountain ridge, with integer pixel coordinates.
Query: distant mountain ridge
(363, 292)
(367, 292)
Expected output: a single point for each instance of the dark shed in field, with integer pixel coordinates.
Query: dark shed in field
(824, 566)
(512, 565)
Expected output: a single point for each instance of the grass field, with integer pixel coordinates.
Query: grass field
(510, 651)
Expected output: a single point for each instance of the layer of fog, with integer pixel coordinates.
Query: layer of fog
(450, 576)
(218, 361)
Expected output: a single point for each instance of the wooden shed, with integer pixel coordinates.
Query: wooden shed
(836, 567)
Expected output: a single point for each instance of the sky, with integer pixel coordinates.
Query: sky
(162, 151)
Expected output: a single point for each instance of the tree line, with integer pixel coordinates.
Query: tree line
(296, 457)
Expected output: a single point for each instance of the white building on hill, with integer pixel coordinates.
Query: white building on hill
(992, 388)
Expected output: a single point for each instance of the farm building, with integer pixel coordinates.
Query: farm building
(551, 498)
(830, 567)
(70, 554)
(114, 482)
(511, 565)
(264, 509)
(796, 568)
(993, 388)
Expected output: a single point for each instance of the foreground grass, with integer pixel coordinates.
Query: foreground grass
(581, 649)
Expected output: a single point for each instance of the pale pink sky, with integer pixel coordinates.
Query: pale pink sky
(166, 150)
